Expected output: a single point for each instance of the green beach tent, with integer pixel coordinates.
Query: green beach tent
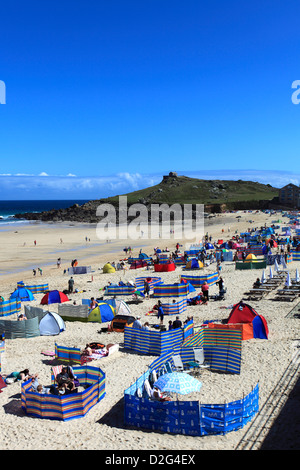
(102, 313)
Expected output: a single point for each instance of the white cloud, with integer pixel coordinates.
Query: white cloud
(132, 179)
(22, 174)
(100, 186)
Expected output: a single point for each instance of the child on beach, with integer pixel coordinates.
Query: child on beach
(205, 289)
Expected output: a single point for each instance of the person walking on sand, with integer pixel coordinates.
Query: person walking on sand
(71, 284)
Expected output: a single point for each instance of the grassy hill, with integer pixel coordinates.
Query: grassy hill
(216, 195)
(185, 190)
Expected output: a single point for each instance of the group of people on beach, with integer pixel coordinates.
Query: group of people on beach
(39, 270)
(65, 381)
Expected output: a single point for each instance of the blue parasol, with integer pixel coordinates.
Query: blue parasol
(178, 382)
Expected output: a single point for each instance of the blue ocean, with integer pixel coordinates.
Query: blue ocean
(9, 208)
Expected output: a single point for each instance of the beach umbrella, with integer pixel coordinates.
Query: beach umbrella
(297, 279)
(276, 267)
(263, 277)
(288, 280)
(284, 264)
(178, 382)
(271, 273)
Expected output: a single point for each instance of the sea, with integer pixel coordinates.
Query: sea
(9, 208)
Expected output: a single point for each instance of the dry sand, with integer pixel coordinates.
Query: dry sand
(272, 362)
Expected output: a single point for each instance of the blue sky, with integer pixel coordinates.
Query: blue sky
(103, 97)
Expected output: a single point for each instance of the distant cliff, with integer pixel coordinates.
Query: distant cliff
(216, 195)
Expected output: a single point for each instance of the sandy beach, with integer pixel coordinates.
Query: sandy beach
(270, 362)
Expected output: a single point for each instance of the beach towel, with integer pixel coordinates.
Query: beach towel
(48, 353)
(98, 354)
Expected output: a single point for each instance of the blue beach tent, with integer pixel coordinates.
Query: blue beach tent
(22, 294)
(102, 313)
(51, 324)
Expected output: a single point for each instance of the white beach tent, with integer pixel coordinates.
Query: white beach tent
(122, 308)
(51, 324)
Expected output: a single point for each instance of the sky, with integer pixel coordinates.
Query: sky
(100, 98)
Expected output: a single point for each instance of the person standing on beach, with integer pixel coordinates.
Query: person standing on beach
(71, 284)
(146, 288)
(93, 303)
(160, 313)
(205, 289)
(220, 283)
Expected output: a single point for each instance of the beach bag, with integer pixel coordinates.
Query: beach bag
(96, 345)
